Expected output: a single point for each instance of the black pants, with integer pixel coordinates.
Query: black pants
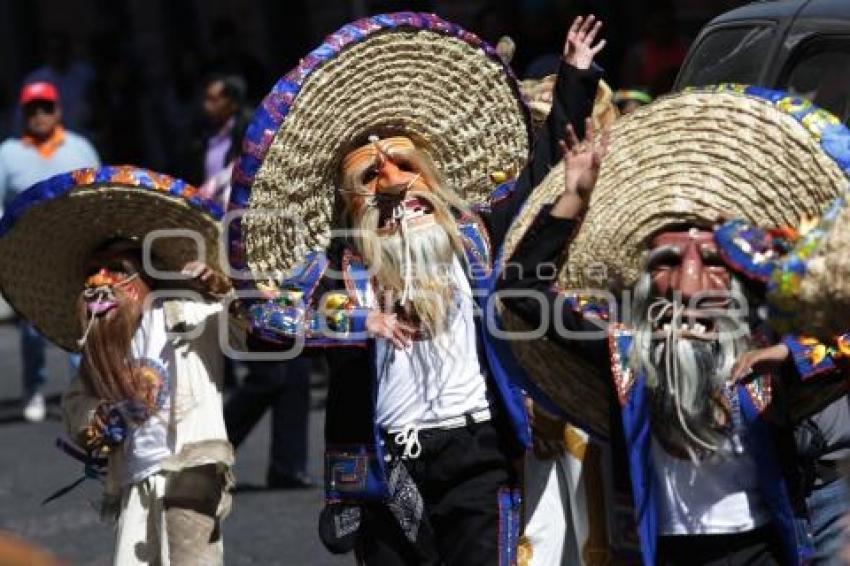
(285, 388)
(465, 477)
(759, 547)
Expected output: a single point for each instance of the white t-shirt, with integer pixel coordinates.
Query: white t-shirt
(148, 444)
(436, 379)
(718, 496)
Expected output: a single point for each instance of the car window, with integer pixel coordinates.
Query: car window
(729, 55)
(820, 72)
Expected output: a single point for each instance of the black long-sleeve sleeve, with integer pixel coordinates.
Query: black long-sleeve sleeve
(572, 102)
(531, 296)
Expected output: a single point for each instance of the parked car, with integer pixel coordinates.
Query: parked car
(800, 46)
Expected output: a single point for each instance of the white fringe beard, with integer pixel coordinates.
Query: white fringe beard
(686, 376)
(413, 263)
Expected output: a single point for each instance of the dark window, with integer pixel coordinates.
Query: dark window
(820, 71)
(729, 55)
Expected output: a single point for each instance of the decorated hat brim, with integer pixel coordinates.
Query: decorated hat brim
(407, 74)
(50, 230)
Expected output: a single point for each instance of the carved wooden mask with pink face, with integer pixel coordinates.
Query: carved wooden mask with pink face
(687, 263)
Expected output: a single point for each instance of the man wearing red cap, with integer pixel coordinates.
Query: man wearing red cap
(44, 150)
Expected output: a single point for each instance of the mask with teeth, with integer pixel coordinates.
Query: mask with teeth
(686, 340)
(404, 226)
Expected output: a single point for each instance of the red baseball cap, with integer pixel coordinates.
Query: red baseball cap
(39, 91)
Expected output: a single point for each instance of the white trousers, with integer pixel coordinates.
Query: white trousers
(553, 499)
(145, 529)
(564, 499)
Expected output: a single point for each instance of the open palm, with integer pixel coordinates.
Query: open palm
(579, 50)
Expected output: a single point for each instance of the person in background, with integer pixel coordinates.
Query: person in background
(283, 386)
(629, 100)
(44, 150)
(211, 153)
(73, 78)
(655, 59)
(219, 139)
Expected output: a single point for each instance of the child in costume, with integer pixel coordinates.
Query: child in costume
(147, 399)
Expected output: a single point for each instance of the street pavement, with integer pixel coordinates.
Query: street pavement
(266, 527)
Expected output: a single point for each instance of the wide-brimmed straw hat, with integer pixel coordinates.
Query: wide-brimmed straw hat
(539, 93)
(689, 158)
(809, 288)
(695, 157)
(49, 231)
(401, 74)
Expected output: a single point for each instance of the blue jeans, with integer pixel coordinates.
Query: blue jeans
(33, 347)
(827, 507)
(32, 350)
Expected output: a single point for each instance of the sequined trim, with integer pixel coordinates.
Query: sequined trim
(510, 502)
(64, 183)
(749, 250)
(619, 344)
(760, 391)
(346, 471)
(476, 242)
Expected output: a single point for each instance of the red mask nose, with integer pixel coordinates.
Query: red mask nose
(690, 271)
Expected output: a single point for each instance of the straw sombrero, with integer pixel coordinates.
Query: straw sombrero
(809, 288)
(538, 95)
(49, 230)
(406, 73)
(731, 150)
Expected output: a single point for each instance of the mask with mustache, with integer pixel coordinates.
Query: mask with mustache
(109, 310)
(687, 365)
(404, 227)
(412, 258)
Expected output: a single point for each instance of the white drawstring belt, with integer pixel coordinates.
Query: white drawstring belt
(408, 435)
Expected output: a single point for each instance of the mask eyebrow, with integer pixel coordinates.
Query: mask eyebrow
(662, 253)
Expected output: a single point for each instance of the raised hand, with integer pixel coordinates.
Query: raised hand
(582, 159)
(579, 50)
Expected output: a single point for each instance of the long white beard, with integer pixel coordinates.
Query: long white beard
(413, 266)
(686, 379)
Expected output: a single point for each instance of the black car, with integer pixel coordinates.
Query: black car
(801, 46)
